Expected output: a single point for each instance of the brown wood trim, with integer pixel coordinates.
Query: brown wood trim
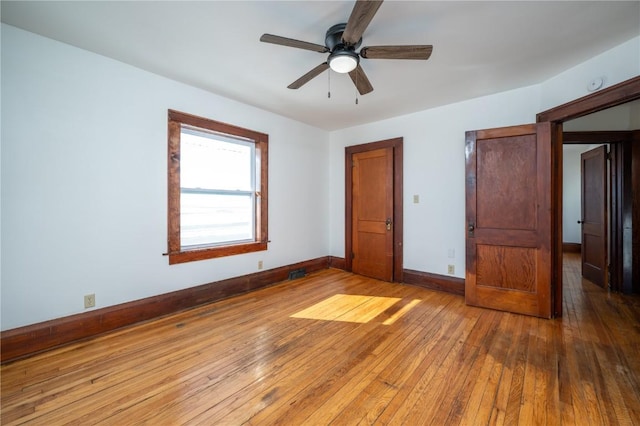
(616, 179)
(510, 131)
(547, 133)
(634, 274)
(556, 218)
(618, 155)
(596, 137)
(29, 340)
(571, 248)
(625, 215)
(398, 212)
(628, 90)
(219, 126)
(173, 186)
(176, 255)
(398, 209)
(338, 263)
(348, 209)
(437, 282)
(618, 94)
(211, 253)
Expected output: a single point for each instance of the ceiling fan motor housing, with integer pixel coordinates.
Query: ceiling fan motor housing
(333, 39)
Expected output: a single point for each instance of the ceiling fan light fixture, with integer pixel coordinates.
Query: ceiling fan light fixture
(343, 61)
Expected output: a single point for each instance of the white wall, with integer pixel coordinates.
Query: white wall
(616, 65)
(634, 113)
(434, 155)
(434, 169)
(83, 175)
(616, 118)
(613, 66)
(84, 182)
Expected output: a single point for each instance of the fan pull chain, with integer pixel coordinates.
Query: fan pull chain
(329, 92)
(356, 87)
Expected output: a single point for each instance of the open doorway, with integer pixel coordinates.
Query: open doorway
(586, 209)
(608, 252)
(619, 94)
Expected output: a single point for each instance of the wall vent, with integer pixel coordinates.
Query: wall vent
(298, 273)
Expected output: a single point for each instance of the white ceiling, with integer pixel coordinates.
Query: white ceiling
(479, 47)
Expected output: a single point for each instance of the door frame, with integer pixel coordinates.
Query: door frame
(396, 145)
(621, 93)
(619, 195)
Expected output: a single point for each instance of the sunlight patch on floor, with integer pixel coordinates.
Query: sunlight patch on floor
(348, 308)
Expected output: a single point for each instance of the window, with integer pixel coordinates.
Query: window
(217, 189)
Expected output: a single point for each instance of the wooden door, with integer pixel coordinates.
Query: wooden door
(372, 213)
(594, 215)
(508, 211)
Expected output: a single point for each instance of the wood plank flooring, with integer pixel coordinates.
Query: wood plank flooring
(399, 355)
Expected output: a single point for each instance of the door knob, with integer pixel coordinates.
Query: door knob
(580, 221)
(471, 228)
(388, 223)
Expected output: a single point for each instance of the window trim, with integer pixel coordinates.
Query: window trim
(176, 253)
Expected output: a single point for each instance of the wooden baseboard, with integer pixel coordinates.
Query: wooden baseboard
(29, 340)
(438, 282)
(571, 248)
(427, 280)
(338, 263)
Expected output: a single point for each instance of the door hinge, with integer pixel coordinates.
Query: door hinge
(608, 156)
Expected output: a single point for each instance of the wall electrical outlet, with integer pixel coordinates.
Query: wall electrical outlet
(451, 269)
(416, 199)
(259, 264)
(89, 301)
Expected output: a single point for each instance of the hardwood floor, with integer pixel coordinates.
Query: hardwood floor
(397, 355)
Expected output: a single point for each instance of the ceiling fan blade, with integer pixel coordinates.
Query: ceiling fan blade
(284, 41)
(362, 13)
(397, 52)
(361, 81)
(308, 76)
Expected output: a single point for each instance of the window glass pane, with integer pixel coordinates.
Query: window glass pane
(208, 161)
(208, 219)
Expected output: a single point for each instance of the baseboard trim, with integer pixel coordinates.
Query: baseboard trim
(338, 263)
(426, 280)
(438, 282)
(26, 341)
(571, 248)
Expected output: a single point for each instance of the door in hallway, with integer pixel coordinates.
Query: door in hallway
(594, 215)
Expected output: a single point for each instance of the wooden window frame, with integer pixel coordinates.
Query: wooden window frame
(176, 253)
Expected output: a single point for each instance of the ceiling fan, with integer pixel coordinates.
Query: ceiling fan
(342, 40)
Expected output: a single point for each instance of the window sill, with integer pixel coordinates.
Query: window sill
(213, 252)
